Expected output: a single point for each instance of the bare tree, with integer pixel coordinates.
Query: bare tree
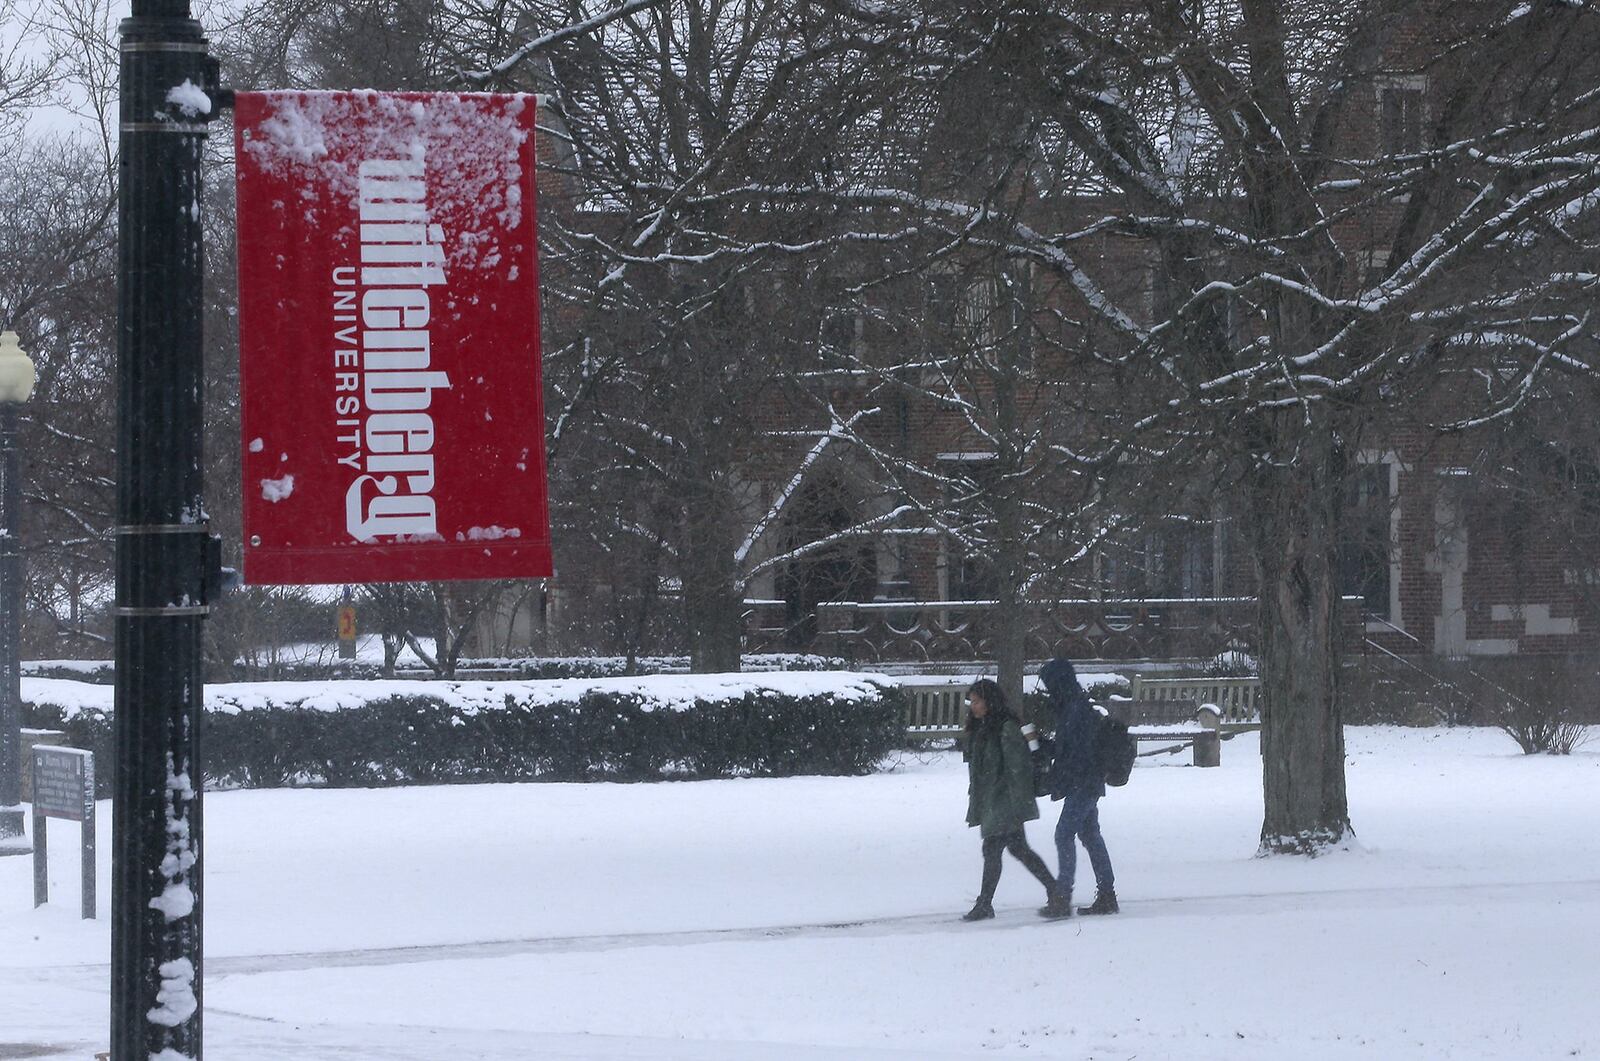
(1343, 206)
(57, 292)
(27, 66)
(676, 322)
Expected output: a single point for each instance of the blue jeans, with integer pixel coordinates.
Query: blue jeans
(1080, 821)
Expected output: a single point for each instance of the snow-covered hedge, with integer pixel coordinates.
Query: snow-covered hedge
(361, 733)
(530, 668)
(99, 671)
(318, 667)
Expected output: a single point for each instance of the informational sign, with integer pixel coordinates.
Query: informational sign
(63, 787)
(63, 782)
(389, 337)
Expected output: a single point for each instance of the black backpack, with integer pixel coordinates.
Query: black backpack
(1115, 749)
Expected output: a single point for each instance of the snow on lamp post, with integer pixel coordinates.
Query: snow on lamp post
(16, 384)
(164, 548)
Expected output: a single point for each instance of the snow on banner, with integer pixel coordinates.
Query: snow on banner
(389, 338)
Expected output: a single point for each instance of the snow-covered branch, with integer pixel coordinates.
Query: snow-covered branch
(558, 36)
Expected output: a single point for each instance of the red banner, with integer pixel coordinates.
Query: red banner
(389, 338)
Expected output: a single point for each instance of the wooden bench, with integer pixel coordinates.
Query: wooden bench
(1237, 699)
(1182, 712)
(1199, 711)
(1179, 723)
(935, 710)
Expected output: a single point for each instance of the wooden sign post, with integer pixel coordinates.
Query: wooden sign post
(63, 787)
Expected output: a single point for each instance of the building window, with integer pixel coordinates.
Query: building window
(1192, 574)
(840, 331)
(1365, 559)
(1177, 561)
(1374, 269)
(942, 303)
(972, 578)
(1400, 119)
(970, 481)
(966, 311)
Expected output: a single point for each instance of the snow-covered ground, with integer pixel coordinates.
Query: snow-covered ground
(814, 919)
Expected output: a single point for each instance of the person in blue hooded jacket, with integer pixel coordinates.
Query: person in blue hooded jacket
(1075, 778)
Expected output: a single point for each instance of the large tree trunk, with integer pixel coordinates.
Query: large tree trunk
(1011, 551)
(1294, 507)
(1010, 632)
(1011, 620)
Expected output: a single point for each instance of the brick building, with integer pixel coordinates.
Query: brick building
(863, 546)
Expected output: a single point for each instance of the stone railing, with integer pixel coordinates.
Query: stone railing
(934, 631)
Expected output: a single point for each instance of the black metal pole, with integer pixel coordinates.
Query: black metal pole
(12, 836)
(161, 525)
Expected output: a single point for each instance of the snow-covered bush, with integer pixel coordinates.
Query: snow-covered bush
(1234, 663)
(356, 734)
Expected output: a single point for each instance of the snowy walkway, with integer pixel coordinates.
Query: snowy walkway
(813, 920)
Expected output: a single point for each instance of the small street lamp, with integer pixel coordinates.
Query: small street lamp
(16, 384)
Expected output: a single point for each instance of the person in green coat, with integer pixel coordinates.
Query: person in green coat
(1000, 795)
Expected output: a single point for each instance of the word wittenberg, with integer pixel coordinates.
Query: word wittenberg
(383, 379)
(391, 418)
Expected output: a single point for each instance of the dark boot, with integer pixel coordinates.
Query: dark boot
(982, 910)
(1104, 903)
(1059, 906)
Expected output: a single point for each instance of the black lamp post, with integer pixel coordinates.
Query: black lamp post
(162, 542)
(16, 384)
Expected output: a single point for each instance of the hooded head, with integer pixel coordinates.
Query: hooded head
(1059, 678)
